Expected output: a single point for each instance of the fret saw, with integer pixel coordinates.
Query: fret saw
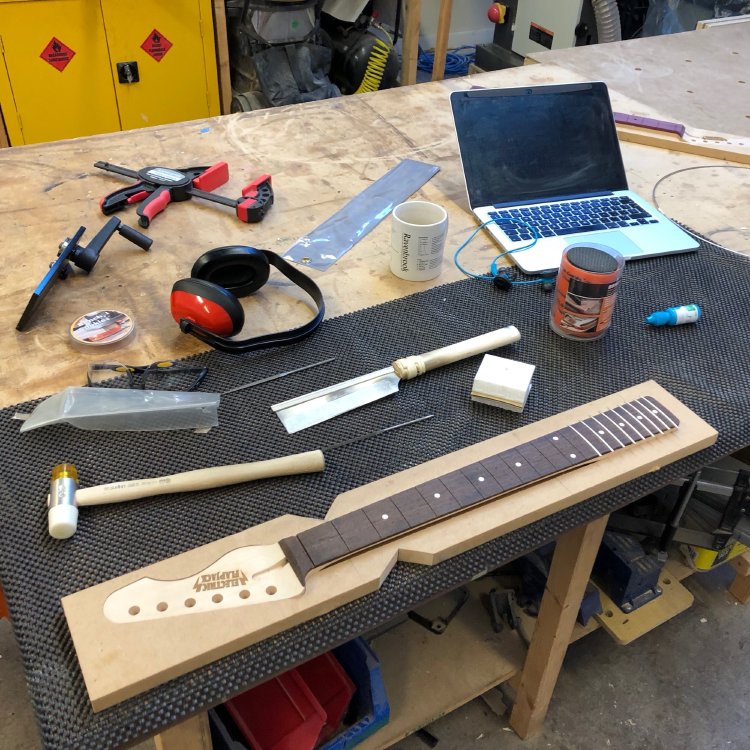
(148, 626)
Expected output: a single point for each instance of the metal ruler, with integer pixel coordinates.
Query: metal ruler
(322, 247)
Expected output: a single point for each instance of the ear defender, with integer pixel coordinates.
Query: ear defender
(206, 305)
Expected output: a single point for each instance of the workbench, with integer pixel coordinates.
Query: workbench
(320, 155)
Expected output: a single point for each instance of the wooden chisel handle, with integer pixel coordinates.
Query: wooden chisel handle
(201, 479)
(409, 367)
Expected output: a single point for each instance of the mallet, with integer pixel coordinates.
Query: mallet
(65, 498)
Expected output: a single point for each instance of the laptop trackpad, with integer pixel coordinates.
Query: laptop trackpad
(617, 240)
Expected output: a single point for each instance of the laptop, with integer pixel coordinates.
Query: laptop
(548, 157)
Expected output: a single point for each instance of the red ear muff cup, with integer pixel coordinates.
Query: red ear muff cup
(207, 305)
(238, 268)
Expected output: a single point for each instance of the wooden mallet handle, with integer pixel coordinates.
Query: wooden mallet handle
(201, 479)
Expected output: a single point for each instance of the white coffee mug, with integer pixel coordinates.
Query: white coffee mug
(418, 235)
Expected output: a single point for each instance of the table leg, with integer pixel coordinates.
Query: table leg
(410, 41)
(193, 734)
(441, 43)
(740, 586)
(574, 557)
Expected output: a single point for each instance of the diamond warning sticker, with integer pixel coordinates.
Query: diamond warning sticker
(156, 45)
(57, 54)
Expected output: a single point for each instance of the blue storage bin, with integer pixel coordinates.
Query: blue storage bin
(369, 709)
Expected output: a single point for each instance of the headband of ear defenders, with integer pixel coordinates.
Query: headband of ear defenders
(240, 270)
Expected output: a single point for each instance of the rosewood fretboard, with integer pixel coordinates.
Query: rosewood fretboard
(559, 451)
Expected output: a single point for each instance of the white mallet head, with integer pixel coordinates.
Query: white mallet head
(63, 513)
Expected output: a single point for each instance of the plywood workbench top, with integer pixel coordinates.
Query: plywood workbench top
(320, 155)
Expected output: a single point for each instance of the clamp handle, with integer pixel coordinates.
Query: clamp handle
(153, 205)
(257, 198)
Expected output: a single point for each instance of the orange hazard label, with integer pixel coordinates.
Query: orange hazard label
(156, 45)
(57, 54)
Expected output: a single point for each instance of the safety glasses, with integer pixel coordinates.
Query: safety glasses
(165, 375)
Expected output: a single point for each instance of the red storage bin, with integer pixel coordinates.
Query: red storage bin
(281, 714)
(332, 688)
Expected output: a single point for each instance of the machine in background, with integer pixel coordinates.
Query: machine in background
(523, 27)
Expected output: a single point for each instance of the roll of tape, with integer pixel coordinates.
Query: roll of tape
(102, 328)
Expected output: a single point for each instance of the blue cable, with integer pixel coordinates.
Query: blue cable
(493, 266)
(455, 62)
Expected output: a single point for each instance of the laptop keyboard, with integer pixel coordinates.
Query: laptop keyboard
(572, 217)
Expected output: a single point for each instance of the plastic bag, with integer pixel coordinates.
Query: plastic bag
(119, 410)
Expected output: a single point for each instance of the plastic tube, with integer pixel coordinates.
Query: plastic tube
(607, 21)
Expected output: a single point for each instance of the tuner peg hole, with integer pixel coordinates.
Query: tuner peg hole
(244, 594)
(189, 603)
(217, 598)
(134, 610)
(162, 607)
(271, 590)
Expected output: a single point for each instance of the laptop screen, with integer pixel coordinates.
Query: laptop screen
(537, 143)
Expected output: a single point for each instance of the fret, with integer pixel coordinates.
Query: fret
(623, 428)
(634, 422)
(580, 428)
(604, 425)
(462, 489)
(385, 517)
(578, 450)
(519, 466)
(480, 479)
(597, 434)
(657, 408)
(559, 451)
(507, 479)
(413, 507)
(356, 530)
(323, 543)
(547, 446)
(531, 454)
(646, 418)
(438, 497)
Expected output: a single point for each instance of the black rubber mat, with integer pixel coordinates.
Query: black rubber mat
(705, 365)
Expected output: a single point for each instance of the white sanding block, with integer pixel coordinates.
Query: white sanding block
(502, 382)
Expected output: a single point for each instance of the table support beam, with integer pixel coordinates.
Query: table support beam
(192, 734)
(441, 43)
(410, 41)
(740, 586)
(572, 562)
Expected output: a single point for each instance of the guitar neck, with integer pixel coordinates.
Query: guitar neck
(562, 450)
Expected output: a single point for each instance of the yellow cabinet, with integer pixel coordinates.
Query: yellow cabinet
(78, 67)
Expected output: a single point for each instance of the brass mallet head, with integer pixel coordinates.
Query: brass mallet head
(61, 501)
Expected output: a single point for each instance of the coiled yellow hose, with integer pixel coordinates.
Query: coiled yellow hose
(375, 69)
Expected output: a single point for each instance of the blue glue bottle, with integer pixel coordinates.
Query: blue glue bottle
(675, 316)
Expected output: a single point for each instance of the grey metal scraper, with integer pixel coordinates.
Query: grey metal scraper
(319, 406)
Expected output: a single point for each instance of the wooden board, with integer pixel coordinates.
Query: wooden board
(427, 676)
(694, 76)
(626, 627)
(647, 137)
(119, 661)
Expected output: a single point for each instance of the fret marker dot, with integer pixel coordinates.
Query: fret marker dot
(384, 516)
(554, 437)
(601, 432)
(639, 417)
(480, 479)
(572, 455)
(436, 496)
(518, 463)
(622, 424)
(654, 411)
